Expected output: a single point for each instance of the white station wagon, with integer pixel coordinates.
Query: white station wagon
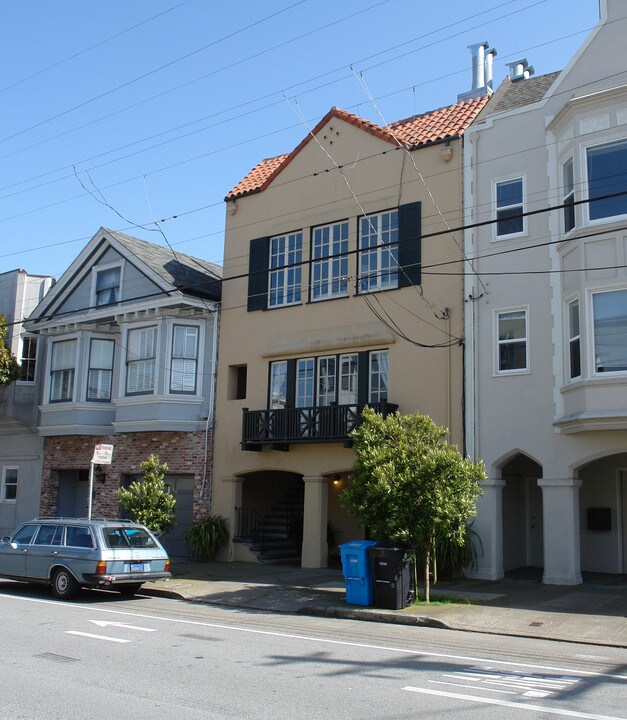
(70, 553)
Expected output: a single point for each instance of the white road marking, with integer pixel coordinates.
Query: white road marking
(96, 637)
(323, 641)
(105, 623)
(516, 705)
(470, 687)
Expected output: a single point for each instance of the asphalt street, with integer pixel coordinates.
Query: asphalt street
(152, 657)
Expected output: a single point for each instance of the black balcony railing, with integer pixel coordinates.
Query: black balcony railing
(285, 426)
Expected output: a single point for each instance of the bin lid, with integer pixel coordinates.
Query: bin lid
(359, 544)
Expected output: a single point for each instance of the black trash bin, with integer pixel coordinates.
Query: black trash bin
(392, 576)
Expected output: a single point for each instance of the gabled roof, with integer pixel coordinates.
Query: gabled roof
(419, 130)
(172, 273)
(185, 272)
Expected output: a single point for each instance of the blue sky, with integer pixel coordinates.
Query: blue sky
(126, 112)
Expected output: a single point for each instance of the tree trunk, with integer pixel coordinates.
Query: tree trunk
(427, 572)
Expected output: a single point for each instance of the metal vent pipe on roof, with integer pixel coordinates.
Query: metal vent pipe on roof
(519, 70)
(489, 68)
(478, 64)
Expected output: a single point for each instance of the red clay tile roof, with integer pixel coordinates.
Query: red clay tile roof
(419, 130)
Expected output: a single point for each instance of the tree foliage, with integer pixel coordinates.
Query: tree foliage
(9, 366)
(150, 501)
(409, 486)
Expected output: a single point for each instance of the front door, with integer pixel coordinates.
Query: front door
(174, 540)
(73, 491)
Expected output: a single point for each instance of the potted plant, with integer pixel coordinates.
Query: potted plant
(207, 536)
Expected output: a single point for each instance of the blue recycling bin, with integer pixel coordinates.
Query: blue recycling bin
(357, 571)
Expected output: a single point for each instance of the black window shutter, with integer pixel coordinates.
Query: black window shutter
(409, 255)
(290, 390)
(363, 378)
(258, 274)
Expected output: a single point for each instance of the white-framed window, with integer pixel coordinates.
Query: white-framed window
(378, 376)
(609, 321)
(329, 267)
(568, 198)
(378, 251)
(509, 203)
(512, 344)
(574, 340)
(348, 379)
(9, 484)
(62, 371)
(100, 372)
(326, 380)
(28, 359)
(305, 382)
(107, 285)
(278, 385)
(606, 167)
(284, 282)
(141, 358)
(184, 368)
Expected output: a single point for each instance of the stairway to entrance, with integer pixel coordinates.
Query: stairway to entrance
(277, 537)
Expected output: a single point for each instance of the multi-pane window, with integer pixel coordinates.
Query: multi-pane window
(28, 360)
(108, 286)
(509, 207)
(285, 269)
(100, 372)
(9, 484)
(278, 384)
(607, 175)
(609, 310)
(184, 359)
(329, 267)
(348, 377)
(305, 382)
(568, 186)
(141, 355)
(512, 345)
(574, 340)
(378, 251)
(62, 366)
(326, 380)
(378, 376)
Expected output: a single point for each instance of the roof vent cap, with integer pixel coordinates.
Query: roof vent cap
(520, 70)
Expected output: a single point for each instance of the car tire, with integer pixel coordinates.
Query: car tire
(64, 585)
(130, 590)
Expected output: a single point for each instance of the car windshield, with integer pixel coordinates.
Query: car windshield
(136, 537)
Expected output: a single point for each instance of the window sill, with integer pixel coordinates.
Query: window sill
(511, 373)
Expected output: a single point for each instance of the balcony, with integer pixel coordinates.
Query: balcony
(283, 427)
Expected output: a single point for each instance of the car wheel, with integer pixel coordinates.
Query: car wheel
(64, 586)
(129, 590)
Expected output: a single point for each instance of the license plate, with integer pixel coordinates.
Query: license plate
(137, 567)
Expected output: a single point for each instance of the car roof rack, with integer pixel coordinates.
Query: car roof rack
(84, 519)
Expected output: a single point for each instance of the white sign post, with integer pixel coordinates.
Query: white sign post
(102, 456)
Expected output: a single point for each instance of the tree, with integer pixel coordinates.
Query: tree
(150, 501)
(9, 366)
(409, 486)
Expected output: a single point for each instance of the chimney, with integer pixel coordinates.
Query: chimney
(482, 64)
(520, 70)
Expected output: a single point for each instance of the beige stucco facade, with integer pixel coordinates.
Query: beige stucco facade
(342, 175)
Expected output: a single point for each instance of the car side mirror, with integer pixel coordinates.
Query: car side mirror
(6, 538)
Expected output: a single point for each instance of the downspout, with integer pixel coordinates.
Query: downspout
(210, 424)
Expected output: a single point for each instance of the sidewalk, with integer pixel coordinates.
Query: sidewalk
(594, 612)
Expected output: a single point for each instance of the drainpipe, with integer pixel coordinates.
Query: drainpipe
(210, 424)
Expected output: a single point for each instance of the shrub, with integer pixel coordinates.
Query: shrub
(207, 536)
(150, 501)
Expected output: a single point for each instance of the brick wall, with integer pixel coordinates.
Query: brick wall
(184, 454)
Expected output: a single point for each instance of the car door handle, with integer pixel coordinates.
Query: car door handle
(54, 552)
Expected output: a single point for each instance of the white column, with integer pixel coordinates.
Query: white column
(560, 517)
(489, 527)
(315, 518)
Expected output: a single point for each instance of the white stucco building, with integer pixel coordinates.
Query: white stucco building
(545, 192)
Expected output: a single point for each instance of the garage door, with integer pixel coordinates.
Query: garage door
(174, 540)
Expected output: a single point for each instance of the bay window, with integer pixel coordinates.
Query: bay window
(141, 355)
(607, 175)
(184, 368)
(609, 311)
(574, 340)
(100, 372)
(62, 370)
